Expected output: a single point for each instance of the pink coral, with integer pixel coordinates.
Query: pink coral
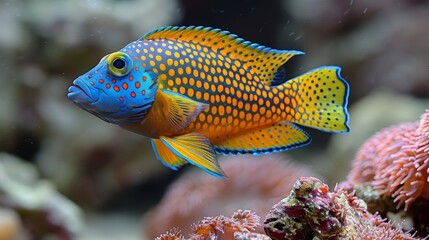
(253, 183)
(172, 234)
(395, 161)
(241, 225)
(225, 227)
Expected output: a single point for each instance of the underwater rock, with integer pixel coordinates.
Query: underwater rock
(241, 225)
(252, 183)
(312, 212)
(43, 211)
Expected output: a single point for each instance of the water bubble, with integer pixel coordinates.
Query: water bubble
(298, 37)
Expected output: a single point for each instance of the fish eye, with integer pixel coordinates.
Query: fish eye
(119, 64)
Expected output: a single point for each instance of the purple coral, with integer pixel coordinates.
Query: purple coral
(311, 211)
(307, 210)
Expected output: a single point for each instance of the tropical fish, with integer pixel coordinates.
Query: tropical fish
(198, 92)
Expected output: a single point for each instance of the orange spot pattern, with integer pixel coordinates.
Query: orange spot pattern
(235, 94)
(212, 43)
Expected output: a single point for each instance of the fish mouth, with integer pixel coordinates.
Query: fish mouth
(80, 92)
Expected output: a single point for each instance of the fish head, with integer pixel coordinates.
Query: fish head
(119, 89)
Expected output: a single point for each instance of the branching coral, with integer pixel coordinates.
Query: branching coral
(241, 225)
(312, 212)
(253, 183)
(395, 161)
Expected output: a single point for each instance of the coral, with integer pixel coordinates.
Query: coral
(253, 183)
(395, 161)
(43, 211)
(250, 236)
(241, 225)
(312, 212)
(172, 234)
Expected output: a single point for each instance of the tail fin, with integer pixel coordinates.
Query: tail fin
(318, 99)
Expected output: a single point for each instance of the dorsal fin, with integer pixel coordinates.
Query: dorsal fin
(261, 60)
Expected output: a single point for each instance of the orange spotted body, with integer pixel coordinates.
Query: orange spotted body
(197, 92)
(237, 99)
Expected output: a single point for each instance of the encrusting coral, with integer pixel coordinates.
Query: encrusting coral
(312, 212)
(255, 183)
(395, 162)
(241, 225)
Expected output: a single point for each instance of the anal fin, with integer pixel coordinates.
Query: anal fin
(275, 138)
(196, 149)
(165, 155)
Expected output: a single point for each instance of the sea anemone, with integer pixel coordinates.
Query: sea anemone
(253, 183)
(312, 212)
(395, 161)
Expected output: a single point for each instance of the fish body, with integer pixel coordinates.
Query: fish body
(197, 92)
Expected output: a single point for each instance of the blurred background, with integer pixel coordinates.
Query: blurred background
(65, 174)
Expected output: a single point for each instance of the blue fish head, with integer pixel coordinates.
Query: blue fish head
(119, 90)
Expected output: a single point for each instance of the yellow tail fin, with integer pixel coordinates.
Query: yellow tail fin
(318, 99)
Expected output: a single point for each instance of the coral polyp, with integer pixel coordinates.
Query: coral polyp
(395, 161)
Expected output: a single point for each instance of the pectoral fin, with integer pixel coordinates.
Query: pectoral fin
(166, 156)
(195, 149)
(275, 138)
(179, 109)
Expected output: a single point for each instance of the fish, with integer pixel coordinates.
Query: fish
(198, 92)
